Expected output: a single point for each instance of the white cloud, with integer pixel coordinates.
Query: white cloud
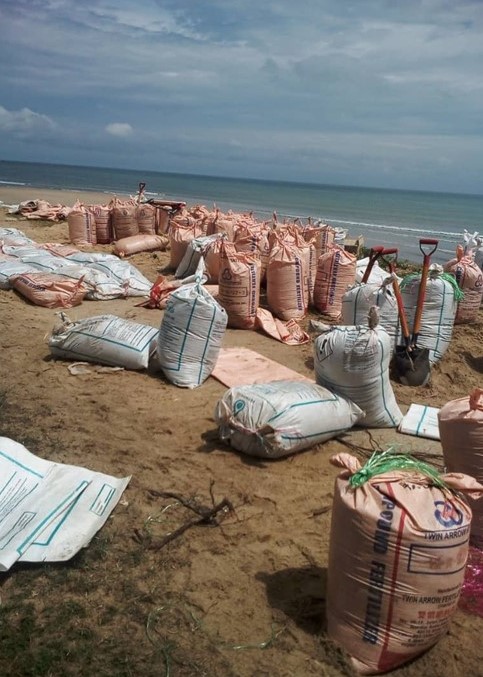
(24, 121)
(122, 129)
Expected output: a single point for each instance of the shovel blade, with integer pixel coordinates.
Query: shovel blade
(412, 366)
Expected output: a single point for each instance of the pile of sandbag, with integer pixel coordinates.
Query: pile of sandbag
(300, 264)
(60, 276)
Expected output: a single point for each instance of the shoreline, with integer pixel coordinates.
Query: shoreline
(13, 195)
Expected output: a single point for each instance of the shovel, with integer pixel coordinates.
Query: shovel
(411, 362)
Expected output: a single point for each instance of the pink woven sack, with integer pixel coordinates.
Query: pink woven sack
(336, 272)
(140, 243)
(82, 225)
(287, 291)
(102, 218)
(180, 235)
(50, 290)
(470, 280)
(146, 218)
(124, 222)
(461, 433)
(239, 286)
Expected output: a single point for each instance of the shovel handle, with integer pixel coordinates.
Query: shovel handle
(426, 242)
(374, 254)
(422, 285)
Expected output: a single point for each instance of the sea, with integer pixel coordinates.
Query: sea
(392, 218)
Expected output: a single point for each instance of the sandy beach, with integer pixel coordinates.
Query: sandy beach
(261, 575)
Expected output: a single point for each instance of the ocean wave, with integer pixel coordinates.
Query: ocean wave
(13, 183)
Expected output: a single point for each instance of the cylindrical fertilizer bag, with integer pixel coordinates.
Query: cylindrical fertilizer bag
(470, 280)
(190, 335)
(146, 218)
(287, 290)
(323, 236)
(354, 362)
(336, 272)
(461, 433)
(276, 419)
(397, 555)
(211, 256)
(123, 215)
(239, 286)
(102, 218)
(358, 300)
(439, 310)
(254, 241)
(82, 225)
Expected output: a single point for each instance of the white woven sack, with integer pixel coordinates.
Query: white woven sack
(190, 263)
(105, 279)
(353, 361)
(275, 419)
(19, 251)
(439, 311)
(190, 335)
(14, 236)
(105, 339)
(12, 267)
(358, 300)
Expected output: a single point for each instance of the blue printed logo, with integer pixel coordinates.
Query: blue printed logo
(238, 406)
(447, 514)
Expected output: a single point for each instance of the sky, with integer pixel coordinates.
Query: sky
(385, 93)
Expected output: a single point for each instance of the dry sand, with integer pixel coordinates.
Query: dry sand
(266, 565)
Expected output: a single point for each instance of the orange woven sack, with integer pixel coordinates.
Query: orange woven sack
(323, 237)
(254, 240)
(336, 272)
(239, 286)
(397, 555)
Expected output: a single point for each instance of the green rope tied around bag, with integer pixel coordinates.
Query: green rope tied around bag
(389, 461)
(458, 294)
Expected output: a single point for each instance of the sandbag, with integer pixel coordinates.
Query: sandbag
(439, 310)
(180, 235)
(146, 218)
(360, 298)
(13, 236)
(103, 220)
(140, 243)
(275, 419)
(104, 339)
(287, 290)
(123, 217)
(336, 272)
(49, 290)
(10, 267)
(239, 286)
(353, 361)
(82, 225)
(469, 277)
(461, 434)
(397, 554)
(190, 335)
(193, 255)
(254, 241)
